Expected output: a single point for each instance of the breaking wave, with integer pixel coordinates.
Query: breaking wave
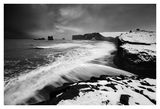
(60, 46)
(70, 67)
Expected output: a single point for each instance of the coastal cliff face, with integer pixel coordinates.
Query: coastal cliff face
(137, 53)
(106, 36)
(89, 36)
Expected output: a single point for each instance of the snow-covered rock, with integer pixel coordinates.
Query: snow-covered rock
(107, 90)
(138, 37)
(111, 34)
(137, 52)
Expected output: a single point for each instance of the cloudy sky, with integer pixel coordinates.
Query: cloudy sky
(33, 20)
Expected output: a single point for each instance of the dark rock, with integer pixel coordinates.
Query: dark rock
(39, 39)
(124, 99)
(137, 53)
(112, 86)
(145, 83)
(72, 91)
(149, 89)
(137, 29)
(78, 37)
(89, 36)
(50, 38)
(93, 36)
(106, 102)
(129, 81)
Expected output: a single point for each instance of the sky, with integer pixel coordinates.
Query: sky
(64, 20)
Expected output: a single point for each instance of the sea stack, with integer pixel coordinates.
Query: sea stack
(50, 38)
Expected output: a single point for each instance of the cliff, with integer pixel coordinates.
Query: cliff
(137, 53)
(89, 36)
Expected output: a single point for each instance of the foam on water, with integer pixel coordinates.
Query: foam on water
(59, 46)
(63, 70)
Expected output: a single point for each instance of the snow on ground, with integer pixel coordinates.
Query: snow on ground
(133, 48)
(111, 34)
(139, 37)
(111, 91)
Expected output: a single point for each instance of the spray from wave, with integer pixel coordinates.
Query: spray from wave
(70, 67)
(59, 46)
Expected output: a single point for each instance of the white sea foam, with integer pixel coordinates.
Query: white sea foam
(59, 46)
(18, 91)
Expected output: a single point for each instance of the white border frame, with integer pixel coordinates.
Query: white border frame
(2, 2)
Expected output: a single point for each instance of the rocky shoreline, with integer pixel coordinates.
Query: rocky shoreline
(105, 90)
(106, 83)
(135, 55)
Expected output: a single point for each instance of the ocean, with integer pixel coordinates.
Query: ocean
(30, 65)
(23, 55)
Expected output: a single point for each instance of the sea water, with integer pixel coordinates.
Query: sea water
(30, 65)
(24, 55)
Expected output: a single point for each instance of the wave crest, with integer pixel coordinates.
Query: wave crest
(59, 72)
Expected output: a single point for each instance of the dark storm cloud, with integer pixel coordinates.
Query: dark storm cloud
(24, 21)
